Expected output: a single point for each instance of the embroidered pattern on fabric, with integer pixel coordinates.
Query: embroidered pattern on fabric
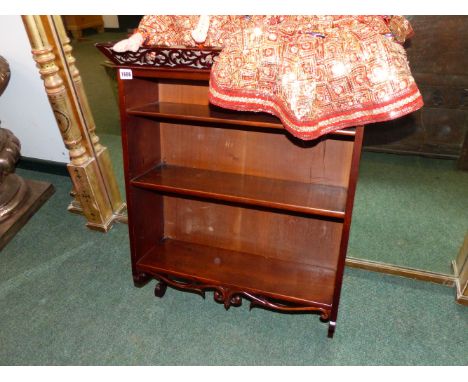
(316, 73)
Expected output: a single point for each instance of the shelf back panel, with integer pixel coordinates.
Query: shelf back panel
(265, 233)
(265, 154)
(191, 93)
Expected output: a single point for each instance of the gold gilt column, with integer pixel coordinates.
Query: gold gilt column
(100, 151)
(90, 188)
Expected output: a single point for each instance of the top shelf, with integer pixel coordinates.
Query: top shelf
(192, 113)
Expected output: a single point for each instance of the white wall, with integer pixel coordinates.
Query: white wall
(24, 107)
(110, 21)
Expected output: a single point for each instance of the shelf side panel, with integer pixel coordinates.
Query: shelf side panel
(138, 91)
(146, 224)
(141, 146)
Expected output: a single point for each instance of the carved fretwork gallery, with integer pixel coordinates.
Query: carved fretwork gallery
(163, 57)
(229, 202)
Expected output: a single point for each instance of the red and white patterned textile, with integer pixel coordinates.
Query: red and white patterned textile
(316, 73)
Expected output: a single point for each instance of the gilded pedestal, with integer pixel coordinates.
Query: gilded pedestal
(19, 198)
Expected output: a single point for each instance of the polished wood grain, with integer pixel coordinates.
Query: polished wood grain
(294, 282)
(257, 153)
(155, 57)
(264, 232)
(182, 93)
(169, 74)
(192, 113)
(230, 202)
(141, 150)
(354, 167)
(306, 198)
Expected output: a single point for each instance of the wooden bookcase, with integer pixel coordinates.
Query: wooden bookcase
(76, 23)
(228, 201)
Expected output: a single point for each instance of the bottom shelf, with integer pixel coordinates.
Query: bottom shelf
(303, 285)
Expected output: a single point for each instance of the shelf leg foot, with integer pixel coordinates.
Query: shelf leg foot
(331, 329)
(141, 279)
(160, 289)
(77, 34)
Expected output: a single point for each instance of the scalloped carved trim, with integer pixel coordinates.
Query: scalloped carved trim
(233, 297)
(192, 58)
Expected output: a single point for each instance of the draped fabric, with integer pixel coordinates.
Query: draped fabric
(316, 73)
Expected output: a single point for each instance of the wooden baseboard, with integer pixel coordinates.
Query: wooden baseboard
(439, 278)
(390, 150)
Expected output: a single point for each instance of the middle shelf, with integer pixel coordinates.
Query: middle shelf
(306, 198)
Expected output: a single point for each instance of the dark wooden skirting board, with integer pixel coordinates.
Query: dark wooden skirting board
(38, 194)
(408, 152)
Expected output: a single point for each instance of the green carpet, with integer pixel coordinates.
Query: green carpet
(67, 298)
(409, 211)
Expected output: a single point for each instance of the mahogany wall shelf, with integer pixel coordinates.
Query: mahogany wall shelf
(228, 201)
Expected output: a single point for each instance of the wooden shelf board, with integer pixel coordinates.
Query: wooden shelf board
(315, 199)
(190, 113)
(294, 282)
